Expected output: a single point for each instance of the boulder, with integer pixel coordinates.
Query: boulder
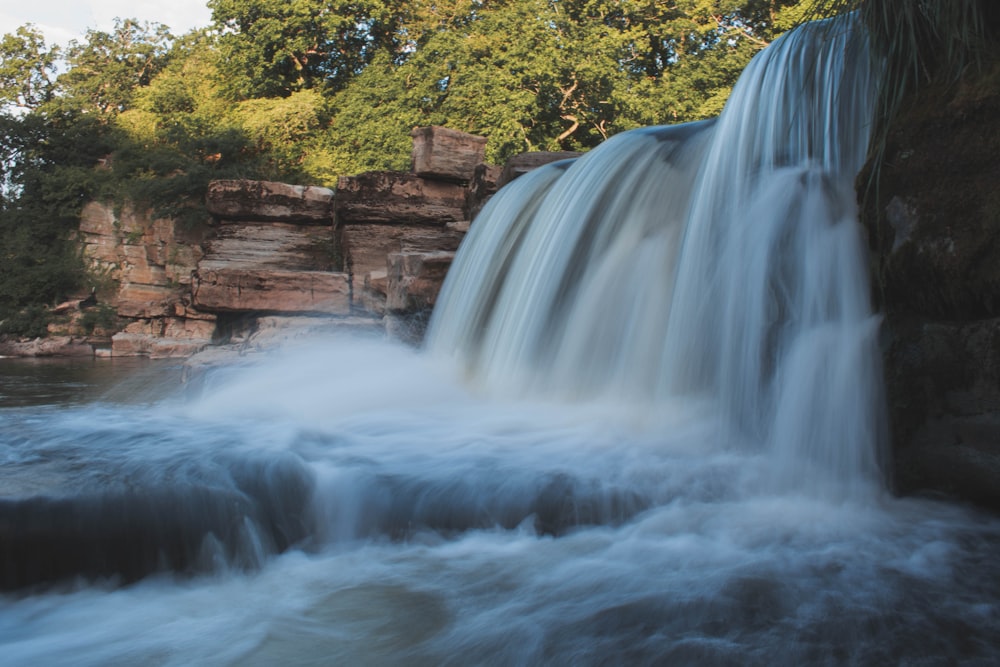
(240, 199)
(125, 344)
(441, 153)
(271, 290)
(384, 197)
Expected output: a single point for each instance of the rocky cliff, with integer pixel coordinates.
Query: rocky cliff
(277, 258)
(933, 215)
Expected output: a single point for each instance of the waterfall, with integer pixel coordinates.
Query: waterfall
(719, 262)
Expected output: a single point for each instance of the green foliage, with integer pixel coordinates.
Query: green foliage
(102, 317)
(307, 90)
(282, 130)
(273, 48)
(917, 44)
(107, 69)
(27, 68)
(30, 322)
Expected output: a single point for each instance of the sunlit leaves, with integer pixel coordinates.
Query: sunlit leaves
(27, 68)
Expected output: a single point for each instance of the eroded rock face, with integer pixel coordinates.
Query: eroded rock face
(149, 262)
(485, 183)
(368, 249)
(386, 197)
(274, 253)
(273, 245)
(415, 278)
(441, 153)
(266, 200)
(935, 233)
(271, 290)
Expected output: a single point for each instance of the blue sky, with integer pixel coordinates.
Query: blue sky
(63, 20)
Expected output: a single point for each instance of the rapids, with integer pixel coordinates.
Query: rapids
(647, 429)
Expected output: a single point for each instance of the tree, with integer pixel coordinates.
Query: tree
(273, 48)
(108, 68)
(27, 68)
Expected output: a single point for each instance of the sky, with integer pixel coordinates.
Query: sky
(63, 20)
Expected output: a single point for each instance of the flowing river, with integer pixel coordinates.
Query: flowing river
(647, 428)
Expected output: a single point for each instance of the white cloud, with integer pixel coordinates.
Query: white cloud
(63, 20)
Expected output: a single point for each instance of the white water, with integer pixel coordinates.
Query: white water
(647, 433)
(718, 261)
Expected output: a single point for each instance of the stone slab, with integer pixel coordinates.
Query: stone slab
(386, 197)
(446, 154)
(278, 291)
(241, 199)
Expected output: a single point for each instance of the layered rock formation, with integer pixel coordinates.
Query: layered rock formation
(274, 259)
(934, 222)
(274, 251)
(148, 264)
(263, 200)
(370, 257)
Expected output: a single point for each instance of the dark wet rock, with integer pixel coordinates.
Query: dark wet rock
(126, 532)
(934, 225)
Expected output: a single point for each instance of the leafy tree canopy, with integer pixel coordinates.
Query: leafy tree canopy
(307, 90)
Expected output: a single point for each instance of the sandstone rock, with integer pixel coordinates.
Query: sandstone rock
(524, 162)
(150, 260)
(174, 348)
(272, 267)
(273, 245)
(414, 280)
(185, 311)
(484, 185)
(367, 248)
(372, 295)
(99, 237)
(125, 344)
(446, 154)
(52, 346)
(271, 290)
(146, 300)
(184, 329)
(391, 197)
(247, 200)
(131, 344)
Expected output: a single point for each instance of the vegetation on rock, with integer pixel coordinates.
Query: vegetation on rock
(309, 90)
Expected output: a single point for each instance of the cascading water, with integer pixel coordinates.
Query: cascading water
(646, 432)
(720, 260)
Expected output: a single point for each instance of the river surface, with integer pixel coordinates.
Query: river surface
(437, 523)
